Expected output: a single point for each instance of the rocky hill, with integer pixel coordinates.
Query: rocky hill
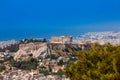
(43, 50)
(35, 50)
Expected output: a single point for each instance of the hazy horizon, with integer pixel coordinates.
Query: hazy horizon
(27, 18)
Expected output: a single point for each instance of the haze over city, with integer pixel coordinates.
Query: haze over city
(27, 18)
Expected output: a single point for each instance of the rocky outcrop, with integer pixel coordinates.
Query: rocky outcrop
(31, 49)
(43, 50)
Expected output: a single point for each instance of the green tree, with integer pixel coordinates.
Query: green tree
(26, 65)
(60, 72)
(45, 72)
(97, 63)
(60, 62)
(2, 68)
(52, 56)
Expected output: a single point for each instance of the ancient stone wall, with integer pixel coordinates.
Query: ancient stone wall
(61, 39)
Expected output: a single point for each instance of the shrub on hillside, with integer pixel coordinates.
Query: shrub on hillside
(97, 63)
(25, 65)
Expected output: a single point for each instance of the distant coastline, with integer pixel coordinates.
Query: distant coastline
(17, 38)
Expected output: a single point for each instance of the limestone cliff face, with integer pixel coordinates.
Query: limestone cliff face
(43, 50)
(35, 50)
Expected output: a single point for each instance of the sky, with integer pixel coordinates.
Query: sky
(45, 18)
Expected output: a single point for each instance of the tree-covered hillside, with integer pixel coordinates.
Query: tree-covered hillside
(97, 63)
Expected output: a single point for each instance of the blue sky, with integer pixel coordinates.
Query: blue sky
(44, 18)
